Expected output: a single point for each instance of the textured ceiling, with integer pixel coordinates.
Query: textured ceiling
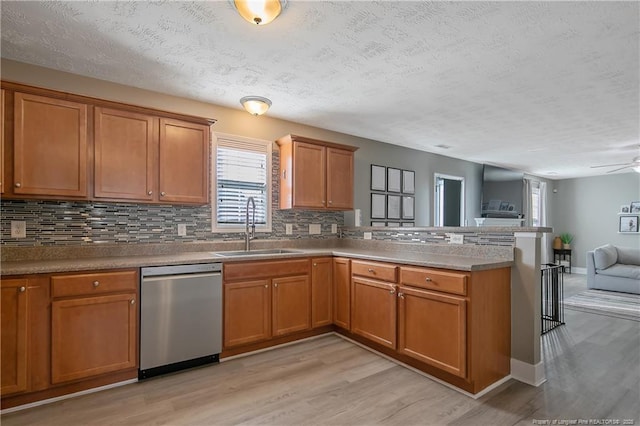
(549, 88)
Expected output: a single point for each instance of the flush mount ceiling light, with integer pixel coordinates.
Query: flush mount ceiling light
(259, 12)
(255, 105)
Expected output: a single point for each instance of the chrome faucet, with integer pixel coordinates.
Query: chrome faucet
(249, 235)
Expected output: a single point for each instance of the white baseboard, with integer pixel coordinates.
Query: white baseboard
(531, 374)
(70, 395)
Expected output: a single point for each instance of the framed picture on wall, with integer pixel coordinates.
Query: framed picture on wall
(628, 224)
(635, 207)
(624, 209)
(393, 180)
(408, 224)
(378, 178)
(393, 224)
(393, 207)
(374, 223)
(408, 182)
(378, 205)
(407, 207)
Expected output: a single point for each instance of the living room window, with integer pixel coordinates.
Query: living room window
(242, 169)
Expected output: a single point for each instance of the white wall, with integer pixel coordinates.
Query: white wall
(588, 208)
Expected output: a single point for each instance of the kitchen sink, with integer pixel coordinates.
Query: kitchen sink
(255, 252)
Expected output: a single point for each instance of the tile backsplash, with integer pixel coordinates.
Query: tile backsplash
(71, 223)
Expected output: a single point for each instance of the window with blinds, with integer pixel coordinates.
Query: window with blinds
(242, 170)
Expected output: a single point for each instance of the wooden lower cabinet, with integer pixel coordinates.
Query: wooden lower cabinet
(291, 298)
(432, 329)
(92, 336)
(247, 312)
(373, 310)
(321, 292)
(13, 341)
(342, 293)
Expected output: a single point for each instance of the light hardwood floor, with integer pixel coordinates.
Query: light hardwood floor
(592, 368)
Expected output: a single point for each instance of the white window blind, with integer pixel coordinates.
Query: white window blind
(242, 170)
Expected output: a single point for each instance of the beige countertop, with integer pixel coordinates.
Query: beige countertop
(460, 263)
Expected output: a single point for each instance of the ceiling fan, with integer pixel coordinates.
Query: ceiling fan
(634, 164)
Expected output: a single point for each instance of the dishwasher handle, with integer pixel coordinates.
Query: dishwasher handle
(178, 277)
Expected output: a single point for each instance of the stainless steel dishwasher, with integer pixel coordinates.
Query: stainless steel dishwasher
(180, 317)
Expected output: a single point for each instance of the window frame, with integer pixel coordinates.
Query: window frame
(247, 144)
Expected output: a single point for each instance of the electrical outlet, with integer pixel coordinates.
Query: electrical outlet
(456, 239)
(367, 235)
(288, 228)
(182, 229)
(334, 228)
(18, 229)
(314, 228)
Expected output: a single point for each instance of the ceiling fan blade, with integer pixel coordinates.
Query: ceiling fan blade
(611, 165)
(621, 168)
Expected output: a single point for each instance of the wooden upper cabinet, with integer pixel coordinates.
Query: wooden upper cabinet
(184, 162)
(125, 147)
(2, 141)
(49, 147)
(339, 179)
(315, 174)
(13, 337)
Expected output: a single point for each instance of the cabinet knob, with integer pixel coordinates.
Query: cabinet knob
(401, 295)
(18, 184)
(370, 270)
(266, 286)
(162, 194)
(96, 283)
(330, 202)
(133, 301)
(392, 291)
(428, 279)
(275, 284)
(22, 289)
(149, 192)
(315, 264)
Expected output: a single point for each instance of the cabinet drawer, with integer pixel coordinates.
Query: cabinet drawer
(432, 279)
(268, 269)
(91, 284)
(379, 271)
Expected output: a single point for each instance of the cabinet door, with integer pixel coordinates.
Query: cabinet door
(309, 168)
(373, 311)
(93, 335)
(342, 293)
(184, 162)
(13, 341)
(321, 292)
(247, 312)
(339, 179)
(291, 305)
(125, 159)
(50, 146)
(432, 328)
(2, 141)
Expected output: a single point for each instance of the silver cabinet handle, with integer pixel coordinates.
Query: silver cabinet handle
(133, 301)
(96, 283)
(22, 289)
(18, 184)
(162, 194)
(428, 279)
(149, 192)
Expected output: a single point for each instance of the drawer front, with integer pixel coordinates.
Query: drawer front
(432, 279)
(267, 269)
(376, 270)
(96, 283)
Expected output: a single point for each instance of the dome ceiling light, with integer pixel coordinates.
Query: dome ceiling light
(260, 12)
(255, 105)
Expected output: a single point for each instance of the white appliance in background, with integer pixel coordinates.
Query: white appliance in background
(352, 218)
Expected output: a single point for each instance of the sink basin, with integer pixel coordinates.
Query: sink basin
(255, 252)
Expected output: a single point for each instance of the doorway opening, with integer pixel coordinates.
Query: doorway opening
(448, 200)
